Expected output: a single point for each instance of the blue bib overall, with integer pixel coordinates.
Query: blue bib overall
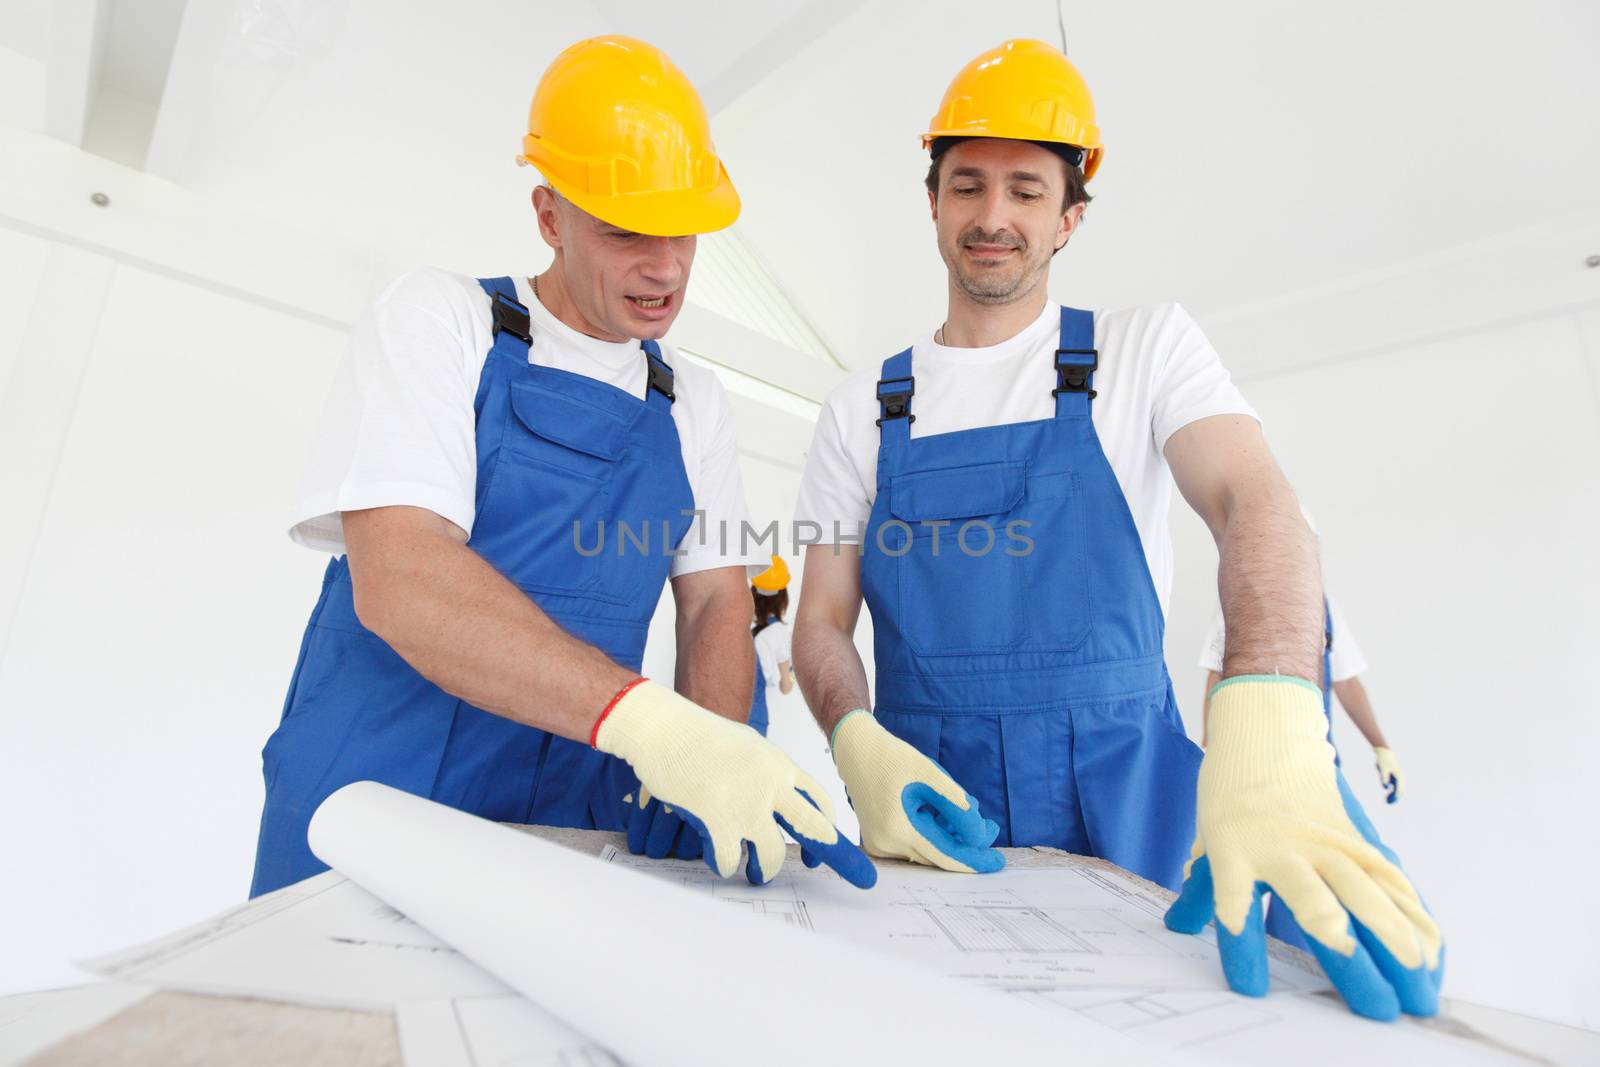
(1018, 635)
(554, 448)
(758, 703)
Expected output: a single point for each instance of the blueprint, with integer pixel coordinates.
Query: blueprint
(1081, 938)
(495, 947)
(552, 963)
(1042, 929)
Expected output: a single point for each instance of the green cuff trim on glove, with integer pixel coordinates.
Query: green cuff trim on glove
(1220, 686)
(835, 735)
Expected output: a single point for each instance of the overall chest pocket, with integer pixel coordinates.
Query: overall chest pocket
(960, 571)
(550, 493)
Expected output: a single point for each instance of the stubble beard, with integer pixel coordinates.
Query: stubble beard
(990, 286)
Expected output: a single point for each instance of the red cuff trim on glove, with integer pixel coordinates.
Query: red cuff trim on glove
(594, 734)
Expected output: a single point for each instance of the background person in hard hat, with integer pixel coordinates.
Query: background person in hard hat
(1016, 560)
(769, 595)
(485, 442)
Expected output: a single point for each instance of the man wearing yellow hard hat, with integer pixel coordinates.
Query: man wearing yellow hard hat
(1010, 475)
(507, 472)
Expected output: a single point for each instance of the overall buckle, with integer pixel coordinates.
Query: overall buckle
(511, 317)
(660, 376)
(896, 403)
(1072, 375)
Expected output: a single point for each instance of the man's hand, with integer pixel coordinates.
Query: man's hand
(1275, 815)
(655, 830)
(725, 781)
(908, 806)
(1389, 772)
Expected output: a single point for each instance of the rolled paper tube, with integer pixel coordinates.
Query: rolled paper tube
(664, 976)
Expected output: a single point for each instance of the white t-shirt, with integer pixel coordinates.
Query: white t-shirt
(1157, 374)
(772, 648)
(399, 427)
(1346, 661)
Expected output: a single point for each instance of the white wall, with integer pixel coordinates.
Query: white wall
(156, 628)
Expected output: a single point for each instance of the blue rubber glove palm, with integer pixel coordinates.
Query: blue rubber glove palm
(655, 830)
(908, 806)
(1275, 815)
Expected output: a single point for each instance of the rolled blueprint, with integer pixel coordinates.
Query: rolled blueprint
(665, 977)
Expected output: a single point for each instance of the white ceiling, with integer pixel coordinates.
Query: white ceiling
(1254, 148)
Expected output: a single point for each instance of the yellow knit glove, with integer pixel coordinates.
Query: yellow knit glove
(1274, 814)
(909, 807)
(1394, 782)
(726, 781)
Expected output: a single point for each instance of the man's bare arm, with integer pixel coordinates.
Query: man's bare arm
(1268, 574)
(716, 659)
(465, 627)
(1353, 699)
(832, 677)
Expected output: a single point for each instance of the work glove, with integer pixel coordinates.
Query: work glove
(1389, 772)
(908, 806)
(726, 782)
(657, 831)
(1274, 815)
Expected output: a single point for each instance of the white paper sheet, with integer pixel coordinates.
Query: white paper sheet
(1090, 944)
(503, 1031)
(663, 976)
(1079, 941)
(321, 941)
(1041, 929)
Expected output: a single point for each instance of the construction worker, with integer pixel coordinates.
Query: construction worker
(506, 475)
(1001, 491)
(769, 596)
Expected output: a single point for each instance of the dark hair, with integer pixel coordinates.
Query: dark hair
(1077, 189)
(767, 606)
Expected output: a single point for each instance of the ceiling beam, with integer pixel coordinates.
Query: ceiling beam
(78, 32)
(787, 39)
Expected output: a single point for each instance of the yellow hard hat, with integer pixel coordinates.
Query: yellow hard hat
(1021, 91)
(774, 578)
(619, 131)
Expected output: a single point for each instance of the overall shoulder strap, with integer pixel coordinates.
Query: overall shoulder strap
(895, 388)
(512, 334)
(658, 393)
(510, 315)
(1076, 362)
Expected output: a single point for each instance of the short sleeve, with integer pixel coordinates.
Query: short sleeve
(398, 426)
(833, 505)
(1212, 648)
(717, 538)
(1346, 659)
(1190, 383)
